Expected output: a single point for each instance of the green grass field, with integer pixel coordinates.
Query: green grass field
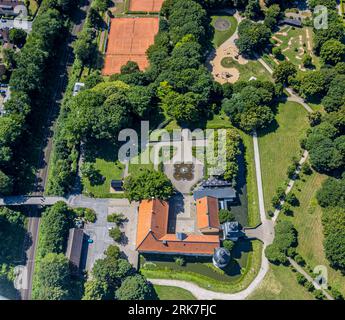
(278, 147)
(251, 69)
(172, 293)
(135, 164)
(104, 157)
(280, 284)
(221, 36)
(252, 191)
(33, 7)
(307, 220)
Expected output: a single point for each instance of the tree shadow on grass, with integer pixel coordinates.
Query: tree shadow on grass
(273, 127)
(102, 149)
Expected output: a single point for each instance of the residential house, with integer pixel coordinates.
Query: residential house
(7, 7)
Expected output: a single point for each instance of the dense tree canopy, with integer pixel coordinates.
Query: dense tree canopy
(56, 222)
(333, 220)
(148, 184)
(285, 238)
(135, 288)
(253, 37)
(12, 231)
(332, 193)
(332, 52)
(53, 278)
(251, 105)
(326, 145)
(284, 71)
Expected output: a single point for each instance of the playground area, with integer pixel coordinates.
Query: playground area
(129, 38)
(145, 5)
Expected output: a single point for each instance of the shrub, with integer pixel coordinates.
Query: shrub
(336, 294)
(113, 251)
(117, 218)
(319, 295)
(225, 216)
(306, 168)
(270, 213)
(292, 199)
(309, 286)
(286, 209)
(179, 261)
(280, 192)
(301, 279)
(277, 52)
(90, 215)
(275, 201)
(228, 244)
(291, 171)
(299, 259)
(115, 234)
(291, 252)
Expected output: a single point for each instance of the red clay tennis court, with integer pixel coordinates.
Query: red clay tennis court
(129, 38)
(145, 5)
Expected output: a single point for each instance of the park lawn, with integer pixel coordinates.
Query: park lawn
(221, 36)
(251, 69)
(33, 7)
(252, 190)
(135, 165)
(172, 293)
(219, 121)
(104, 158)
(279, 144)
(280, 284)
(307, 220)
(248, 274)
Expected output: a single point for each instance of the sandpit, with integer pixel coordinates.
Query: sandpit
(222, 24)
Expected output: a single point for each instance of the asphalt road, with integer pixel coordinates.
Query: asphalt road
(33, 227)
(25, 25)
(42, 174)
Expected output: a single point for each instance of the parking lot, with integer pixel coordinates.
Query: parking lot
(99, 232)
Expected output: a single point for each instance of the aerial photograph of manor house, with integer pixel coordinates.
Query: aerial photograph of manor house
(172, 150)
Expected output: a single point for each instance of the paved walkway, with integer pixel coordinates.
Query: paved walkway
(293, 96)
(309, 278)
(291, 183)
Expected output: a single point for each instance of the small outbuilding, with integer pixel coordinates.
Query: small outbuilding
(116, 185)
(75, 246)
(292, 22)
(231, 231)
